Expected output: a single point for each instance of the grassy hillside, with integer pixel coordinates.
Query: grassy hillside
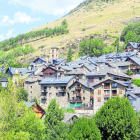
(95, 17)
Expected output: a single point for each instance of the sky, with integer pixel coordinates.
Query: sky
(20, 16)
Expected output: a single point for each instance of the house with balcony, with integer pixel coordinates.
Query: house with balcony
(107, 89)
(134, 64)
(132, 46)
(55, 88)
(80, 92)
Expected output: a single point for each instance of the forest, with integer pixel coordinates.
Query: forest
(46, 32)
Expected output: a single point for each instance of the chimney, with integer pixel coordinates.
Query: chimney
(97, 68)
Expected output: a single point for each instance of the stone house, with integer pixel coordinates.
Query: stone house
(131, 46)
(80, 92)
(55, 88)
(134, 64)
(107, 89)
(33, 88)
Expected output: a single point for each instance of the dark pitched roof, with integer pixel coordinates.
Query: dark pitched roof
(54, 47)
(116, 81)
(60, 80)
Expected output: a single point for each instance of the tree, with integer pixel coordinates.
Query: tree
(117, 120)
(64, 23)
(22, 94)
(69, 56)
(129, 72)
(60, 132)
(85, 129)
(136, 82)
(16, 121)
(54, 116)
(84, 29)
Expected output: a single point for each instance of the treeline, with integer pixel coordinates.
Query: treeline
(94, 47)
(10, 56)
(131, 32)
(46, 32)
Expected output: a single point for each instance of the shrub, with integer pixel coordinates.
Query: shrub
(84, 29)
(42, 46)
(87, 130)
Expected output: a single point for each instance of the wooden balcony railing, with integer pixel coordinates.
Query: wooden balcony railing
(114, 94)
(76, 101)
(107, 87)
(107, 94)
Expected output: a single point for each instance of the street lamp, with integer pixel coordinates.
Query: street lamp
(4, 81)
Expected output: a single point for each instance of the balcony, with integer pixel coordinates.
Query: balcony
(77, 88)
(76, 101)
(107, 87)
(78, 94)
(107, 94)
(43, 97)
(114, 94)
(44, 91)
(62, 90)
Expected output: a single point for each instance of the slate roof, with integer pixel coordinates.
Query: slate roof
(28, 104)
(59, 60)
(68, 116)
(75, 72)
(136, 60)
(115, 81)
(67, 68)
(60, 80)
(54, 47)
(134, 45)
(22, 70)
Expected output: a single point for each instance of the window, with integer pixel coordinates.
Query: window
(83, 91)
(120, 91)
(100, 78)
(52, 56)
(99, 99)
(56, 94)
(56, 87)
(31, 91)
(83, 98)
(31, 86)
(99, 92)
(49, 87)
(114, 85)
(73, 92)
(52, 51)
(50, 94)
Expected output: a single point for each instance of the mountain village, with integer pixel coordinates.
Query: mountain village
(84, 84)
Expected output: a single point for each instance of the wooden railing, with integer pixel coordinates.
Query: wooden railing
(107, 87)
(107, 94)
(114, 94)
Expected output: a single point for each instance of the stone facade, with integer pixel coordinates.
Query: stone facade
(54, 53)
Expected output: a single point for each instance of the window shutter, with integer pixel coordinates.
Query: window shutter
(120, 91)
(99, 99)
(99, 92)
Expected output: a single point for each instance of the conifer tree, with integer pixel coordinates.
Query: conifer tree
(54, 116)
(69, 56)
